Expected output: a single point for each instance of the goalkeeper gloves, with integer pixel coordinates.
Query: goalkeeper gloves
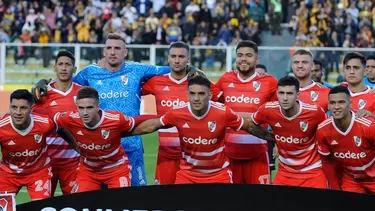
(39, 90)
(193, 71)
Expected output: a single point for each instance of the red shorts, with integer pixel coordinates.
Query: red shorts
(166, 170)
(38, 184)
(254, 171)
(351, 185)
(116, 177)
(66, 177)
(315, 181)
(190, 177)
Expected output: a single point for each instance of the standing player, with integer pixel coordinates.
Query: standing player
(245, 91)
(370, 71)
(348, 141)
(98, 133)
(360, 94)
(201, 125)
(170, 90)
(310, 91)
(61, 97)
(317, 74)
(294, 124)
(119, 87)
(24, 150)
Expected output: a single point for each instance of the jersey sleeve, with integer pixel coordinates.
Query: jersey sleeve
(126, 123)
(371, 133)
(148, 87)
(260, 116)
(323, 147)
(62, 119)
(81, 77)
(219, 86)
(273, 89)
(168, 119)
(216, 92)
(233, 120)
(150, 71)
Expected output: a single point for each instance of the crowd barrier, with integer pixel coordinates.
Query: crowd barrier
(207, 197)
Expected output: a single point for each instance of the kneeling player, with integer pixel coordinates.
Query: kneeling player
(23, 145)
(349, 142)
(201, 125)
(294, 124)
(98, 132)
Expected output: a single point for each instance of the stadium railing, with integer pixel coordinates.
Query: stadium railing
(228, 197)
(214, 60)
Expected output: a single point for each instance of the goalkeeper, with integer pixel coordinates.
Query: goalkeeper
(119, 87)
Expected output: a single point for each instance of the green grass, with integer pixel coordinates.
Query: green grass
(150, 143)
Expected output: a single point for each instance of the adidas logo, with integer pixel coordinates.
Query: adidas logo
(186, 125)
(334, 142)
(166, 88)
(231, 85)
(80, 133)
(99, 82)
(277, 124)
(11, 143)
(53, 103)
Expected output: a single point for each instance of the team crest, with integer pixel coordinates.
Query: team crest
(256, 85)
(357, 141)
(3, 204)
(314, 96)
(105, 134)
(124, 79)
(211, 126)
(38, 138)
(362, 104)
(303, 126)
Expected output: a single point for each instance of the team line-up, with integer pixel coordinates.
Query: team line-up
(65, 131)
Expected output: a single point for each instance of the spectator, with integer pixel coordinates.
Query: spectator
(174, 33)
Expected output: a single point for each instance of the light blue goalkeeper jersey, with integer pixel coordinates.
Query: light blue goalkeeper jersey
(120, 91)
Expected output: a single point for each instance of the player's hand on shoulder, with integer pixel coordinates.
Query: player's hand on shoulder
(102, 63)
(39, 90)
(193, 71)
(364, 113)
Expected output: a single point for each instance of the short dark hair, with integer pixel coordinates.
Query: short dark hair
(371, 57)
(179, 44)
(340, 89)
(355, 55)
(261, 66)
(317, 62)
(199, 80)
(67, 54)
(289, 81)
(22, 94)
(87, 92)
(247, 44)
(303, 52)
(114, 36)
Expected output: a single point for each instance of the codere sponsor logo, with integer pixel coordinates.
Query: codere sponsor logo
(242, 99)
(26, 153)
(350, 155)
(94, 146)
(172, 103)
(111, 94)
(199, 140)
(291, 139)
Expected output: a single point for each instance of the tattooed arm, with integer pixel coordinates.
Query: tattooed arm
(254, 129)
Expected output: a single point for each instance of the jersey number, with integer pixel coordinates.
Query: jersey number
(123, 182)
(39, 185)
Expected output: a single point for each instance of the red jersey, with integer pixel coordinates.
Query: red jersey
(353, 149)
(202, 138)
(295, 136)
(315, 93)
(246, 96)
(168, 93)
(99, 145)
(25, 151)
(363, 100)
(61, 153)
